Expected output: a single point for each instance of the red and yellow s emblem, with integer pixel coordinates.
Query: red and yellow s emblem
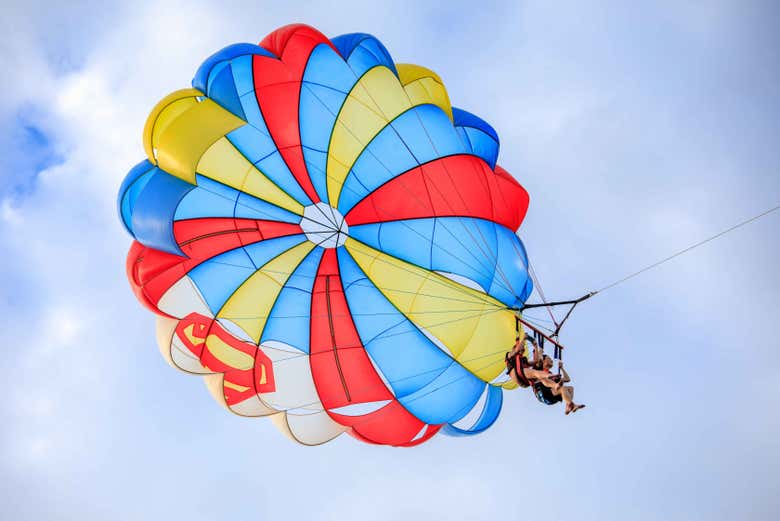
(248, 371)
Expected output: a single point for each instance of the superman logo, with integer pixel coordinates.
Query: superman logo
(248, 371)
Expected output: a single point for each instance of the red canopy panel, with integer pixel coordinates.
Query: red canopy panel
(460, 186)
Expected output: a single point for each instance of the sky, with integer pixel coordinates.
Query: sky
(637, 128)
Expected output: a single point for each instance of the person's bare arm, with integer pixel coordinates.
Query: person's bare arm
(565, 375)
(536, 355)
(523, 337)
(534, 374)
(520, 344)
(518, 347)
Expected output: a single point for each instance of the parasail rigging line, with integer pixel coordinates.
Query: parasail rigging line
(689, 248)
(574, 302)
(538, 286)
(497, 268)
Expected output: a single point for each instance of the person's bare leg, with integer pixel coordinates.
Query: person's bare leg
(567, 393)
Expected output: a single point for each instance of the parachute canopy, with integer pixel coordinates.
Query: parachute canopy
(329, 242)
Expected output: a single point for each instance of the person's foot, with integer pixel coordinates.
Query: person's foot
(577, 407)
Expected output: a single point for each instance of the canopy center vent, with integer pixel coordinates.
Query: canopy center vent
(324, 226)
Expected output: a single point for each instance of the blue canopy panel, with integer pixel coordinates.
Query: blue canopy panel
(260, 150)
(426, 381)
(512, 261)
(132, 185)
(482, 251)
(147, 203)
(223, 90)
(219, 277)
(478, 136)
(327, 81)
(211, 67)
(214, 199)
(363, 52)
(289, 320)
(453, 387)
(487, 415)
(417, 136)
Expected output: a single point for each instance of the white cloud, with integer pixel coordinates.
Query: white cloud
(10, 215)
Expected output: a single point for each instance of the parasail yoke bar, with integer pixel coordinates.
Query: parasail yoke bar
(546, 337)
(549, 338)
(559, 303)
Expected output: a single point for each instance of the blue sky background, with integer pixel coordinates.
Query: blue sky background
(637, 127)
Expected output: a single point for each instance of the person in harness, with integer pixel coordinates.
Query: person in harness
(522, 371)
(550, 389)
(547, 387)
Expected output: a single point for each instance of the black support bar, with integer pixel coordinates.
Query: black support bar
(559, 303)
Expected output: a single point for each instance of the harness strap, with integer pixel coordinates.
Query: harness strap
(520, 370)
(539, 340)
(517, 363)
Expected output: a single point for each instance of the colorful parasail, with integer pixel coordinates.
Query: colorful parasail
(329, 242)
